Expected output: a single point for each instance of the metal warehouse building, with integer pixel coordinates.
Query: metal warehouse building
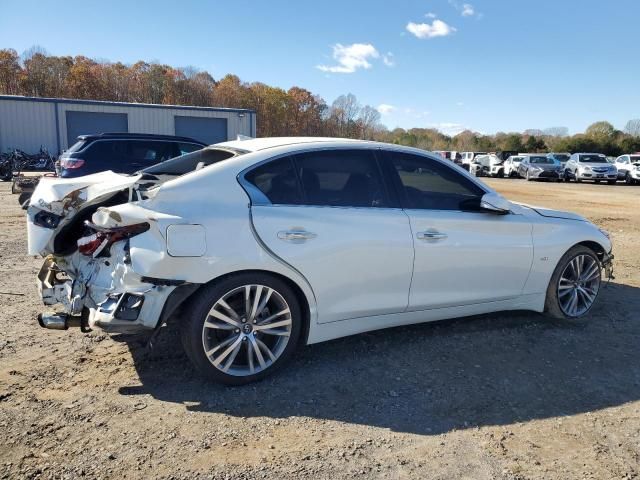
(28, 123)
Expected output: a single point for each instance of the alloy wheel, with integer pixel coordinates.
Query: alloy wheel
(579, 285)
(247, 330)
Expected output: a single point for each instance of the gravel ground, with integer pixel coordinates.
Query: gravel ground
(510, 395)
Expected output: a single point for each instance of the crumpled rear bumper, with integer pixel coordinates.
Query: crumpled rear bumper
(103, 292)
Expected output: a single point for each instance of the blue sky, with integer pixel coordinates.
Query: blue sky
(488, 65)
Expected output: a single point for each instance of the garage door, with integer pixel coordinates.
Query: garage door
(86, 123)
(207, 130)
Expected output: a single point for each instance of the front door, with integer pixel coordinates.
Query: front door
(463, 256)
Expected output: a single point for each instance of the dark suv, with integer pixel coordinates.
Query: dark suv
(121, 152)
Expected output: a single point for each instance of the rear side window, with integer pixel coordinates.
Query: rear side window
(427, 184)
(277, 181)
(341, 178)
(107, 151)
(147, 152)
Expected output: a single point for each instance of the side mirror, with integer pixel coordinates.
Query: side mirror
(495, 203)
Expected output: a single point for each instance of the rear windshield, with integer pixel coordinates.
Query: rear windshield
(192, 161)
(561, 158)
(592, 159)
(540, 160)
(79, 145)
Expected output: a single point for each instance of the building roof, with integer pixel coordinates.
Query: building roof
(122, 104)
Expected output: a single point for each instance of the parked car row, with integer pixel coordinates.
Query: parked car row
(566, 167)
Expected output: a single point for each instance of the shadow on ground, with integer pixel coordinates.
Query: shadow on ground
(430, 378)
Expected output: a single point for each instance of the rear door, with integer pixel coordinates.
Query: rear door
(329, 215)
(463, 256)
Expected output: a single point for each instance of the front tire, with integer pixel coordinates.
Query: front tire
(574, 285)
(243, 328)
(629, 180)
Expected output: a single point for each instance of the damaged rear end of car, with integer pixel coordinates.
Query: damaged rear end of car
(89, 231)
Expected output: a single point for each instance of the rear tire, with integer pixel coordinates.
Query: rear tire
(258, 337)
(566, 280)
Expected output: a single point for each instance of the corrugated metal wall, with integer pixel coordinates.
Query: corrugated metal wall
(27, 126)
(29, 123)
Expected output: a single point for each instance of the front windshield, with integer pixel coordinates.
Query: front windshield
(540, 160)
(635, 158)
(593, 159)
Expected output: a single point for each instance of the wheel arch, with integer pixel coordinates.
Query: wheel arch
(592, 245)
(173, 303)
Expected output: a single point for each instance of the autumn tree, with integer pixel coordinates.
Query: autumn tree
(10, 72)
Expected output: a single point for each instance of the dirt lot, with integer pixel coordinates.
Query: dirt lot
(499, 396)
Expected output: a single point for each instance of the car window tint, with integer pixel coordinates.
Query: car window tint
(107, 151)
(341, 178)
(149, 152)
(428, 184)
(277, 180)
(188, 148)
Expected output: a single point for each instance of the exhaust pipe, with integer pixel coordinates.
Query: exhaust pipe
(58, 321)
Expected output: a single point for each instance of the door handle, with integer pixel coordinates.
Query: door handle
(296, 236)
(431, 235)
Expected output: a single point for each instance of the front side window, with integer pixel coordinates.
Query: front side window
(341, 178)
(428, 184)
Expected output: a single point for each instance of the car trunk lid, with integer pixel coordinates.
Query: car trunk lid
(56, 202)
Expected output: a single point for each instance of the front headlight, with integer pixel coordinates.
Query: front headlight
(585, 168)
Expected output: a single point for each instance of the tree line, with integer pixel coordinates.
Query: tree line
(280, 112)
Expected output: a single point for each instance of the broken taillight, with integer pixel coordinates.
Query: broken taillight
(94, 244)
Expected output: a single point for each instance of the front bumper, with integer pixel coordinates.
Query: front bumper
(607, 264)
(596, 175)
(100, 295)
(544, 174)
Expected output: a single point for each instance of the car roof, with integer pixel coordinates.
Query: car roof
(255, 144)
(138, 136)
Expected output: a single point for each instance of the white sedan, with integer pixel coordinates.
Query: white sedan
(268, 244)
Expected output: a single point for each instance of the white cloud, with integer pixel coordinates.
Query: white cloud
(385, 109)
(450, 129)
(460, 104)
(430, 15)
(350, 58)
(389, 60)
(467, 10)
(436, 29)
